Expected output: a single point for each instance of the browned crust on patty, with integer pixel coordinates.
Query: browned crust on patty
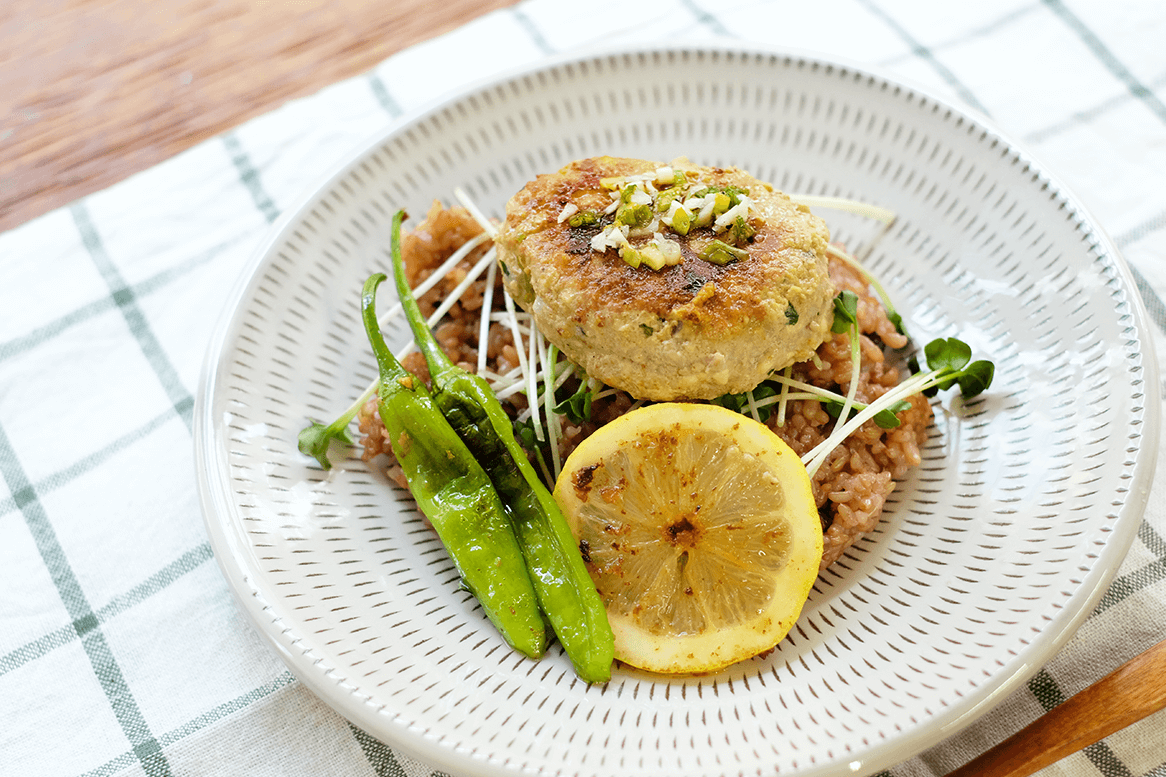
(785, 234)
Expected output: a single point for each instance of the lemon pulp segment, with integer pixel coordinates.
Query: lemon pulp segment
(700, 531)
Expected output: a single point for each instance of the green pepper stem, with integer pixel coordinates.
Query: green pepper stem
(426, 342)
(386, 362)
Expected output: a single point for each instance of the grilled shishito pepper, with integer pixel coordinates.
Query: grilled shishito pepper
(565, 590)
(455, 493)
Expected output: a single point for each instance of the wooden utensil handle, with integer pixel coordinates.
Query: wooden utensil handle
(1131, 692)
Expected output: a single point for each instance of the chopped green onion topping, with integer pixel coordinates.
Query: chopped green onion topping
(660, 252)
(636, 199)
(633, 215)
(733, 193)
(652, 256)
(583, 218)
(742, 232)
(719, 252)
(664, 200)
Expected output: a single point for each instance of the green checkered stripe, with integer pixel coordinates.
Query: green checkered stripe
(100, 626)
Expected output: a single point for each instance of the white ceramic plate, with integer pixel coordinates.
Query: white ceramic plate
(989, 556)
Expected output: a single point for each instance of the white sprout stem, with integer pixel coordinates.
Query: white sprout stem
(518, 386)
(504, 378)
(855, 372)
(435, 277)
(512, 323)
(542, 465)
(753, 405)
(500, 315)
(553, 428)
(532, 386)
(817, 391)
(455, 295)
(850, 259)
(913, 385)
(522, 328)
(562, 377)
(809, 391)
(603, 393)
(847, 205)
(472, 207)
(791, 396)
(484, 327)
(837, 435)
(783, 398)
(451, 299)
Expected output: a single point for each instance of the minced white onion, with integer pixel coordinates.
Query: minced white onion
(726, 219)
(569, 210)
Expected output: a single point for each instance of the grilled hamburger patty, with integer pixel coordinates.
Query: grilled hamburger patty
(695, 329)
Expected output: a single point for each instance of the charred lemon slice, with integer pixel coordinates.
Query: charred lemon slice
(700, 531)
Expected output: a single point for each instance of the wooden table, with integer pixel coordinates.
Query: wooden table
(92, 92)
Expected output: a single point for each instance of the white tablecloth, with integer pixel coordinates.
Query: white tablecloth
(122, 651)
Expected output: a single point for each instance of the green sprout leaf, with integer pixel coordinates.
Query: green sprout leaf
(889, 417)
(894, 317)
(947, 353)
(740, 402)
(735, 402)
(316, 438)
(845, 312)
(948, 358)
(764, 391)
(577, 407)
(976, 378)
(524, 431)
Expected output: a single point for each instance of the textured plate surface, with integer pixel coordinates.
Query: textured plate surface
(989, 555)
